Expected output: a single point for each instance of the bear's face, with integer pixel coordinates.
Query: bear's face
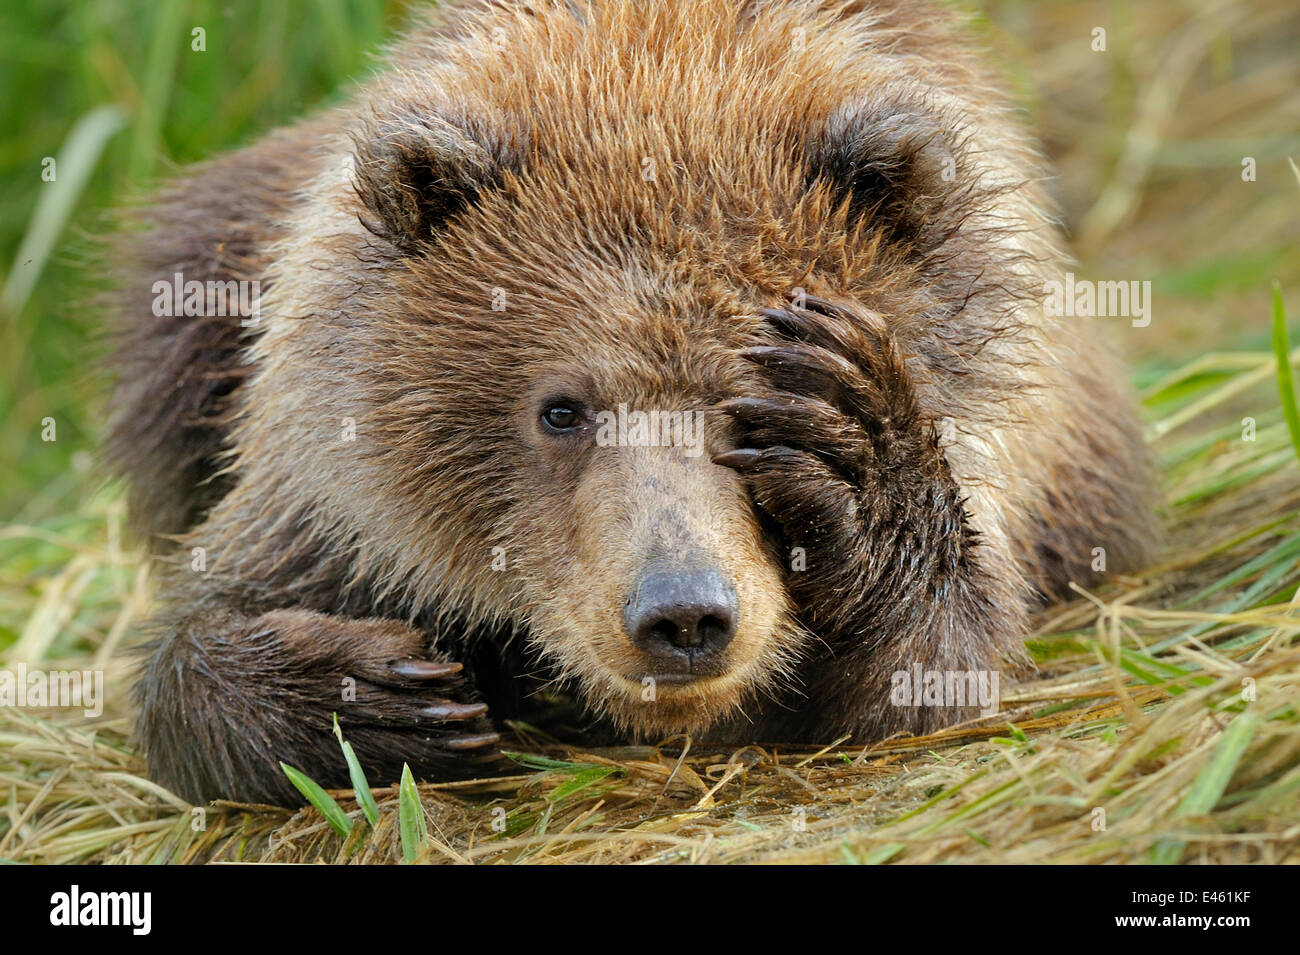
(561, 455)
(649, 574)
(550, 393)
(528, 290)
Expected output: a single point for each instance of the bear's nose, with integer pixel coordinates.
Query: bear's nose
(681, 618)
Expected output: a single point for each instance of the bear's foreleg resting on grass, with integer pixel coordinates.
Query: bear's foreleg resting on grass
(227, 696)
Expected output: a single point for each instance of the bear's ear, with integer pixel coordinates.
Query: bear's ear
(413, 173)
(898, 166)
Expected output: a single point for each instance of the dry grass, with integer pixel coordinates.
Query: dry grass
(1164, 721)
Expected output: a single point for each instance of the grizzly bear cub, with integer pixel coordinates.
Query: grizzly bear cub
(688, 357)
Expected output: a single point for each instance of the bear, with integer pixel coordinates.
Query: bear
(690, 360)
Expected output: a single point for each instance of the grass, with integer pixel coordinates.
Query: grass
(1285, 381)
(115, 93)
(1161, 725)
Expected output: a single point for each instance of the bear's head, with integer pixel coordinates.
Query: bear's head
(514, 296)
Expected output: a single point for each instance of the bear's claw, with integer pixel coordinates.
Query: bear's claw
(412, 669)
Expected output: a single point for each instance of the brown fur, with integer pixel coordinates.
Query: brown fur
(938, 449)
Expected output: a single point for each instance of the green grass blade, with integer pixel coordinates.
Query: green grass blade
(883, 854)
(531, 761)
(170, 37)
(76, 160)
(1206, 791)
(1208, 787)
(320, 799)
(580, 781)
(410, 816)
(365, 798)
(1285, 379)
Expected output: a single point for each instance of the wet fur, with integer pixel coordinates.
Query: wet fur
(965, 454)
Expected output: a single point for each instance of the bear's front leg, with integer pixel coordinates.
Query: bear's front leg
(887, 572)
(226, 697)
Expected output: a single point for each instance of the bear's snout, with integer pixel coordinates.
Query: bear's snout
(683, 620)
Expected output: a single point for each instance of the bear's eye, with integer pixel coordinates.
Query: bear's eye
(561, 417)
